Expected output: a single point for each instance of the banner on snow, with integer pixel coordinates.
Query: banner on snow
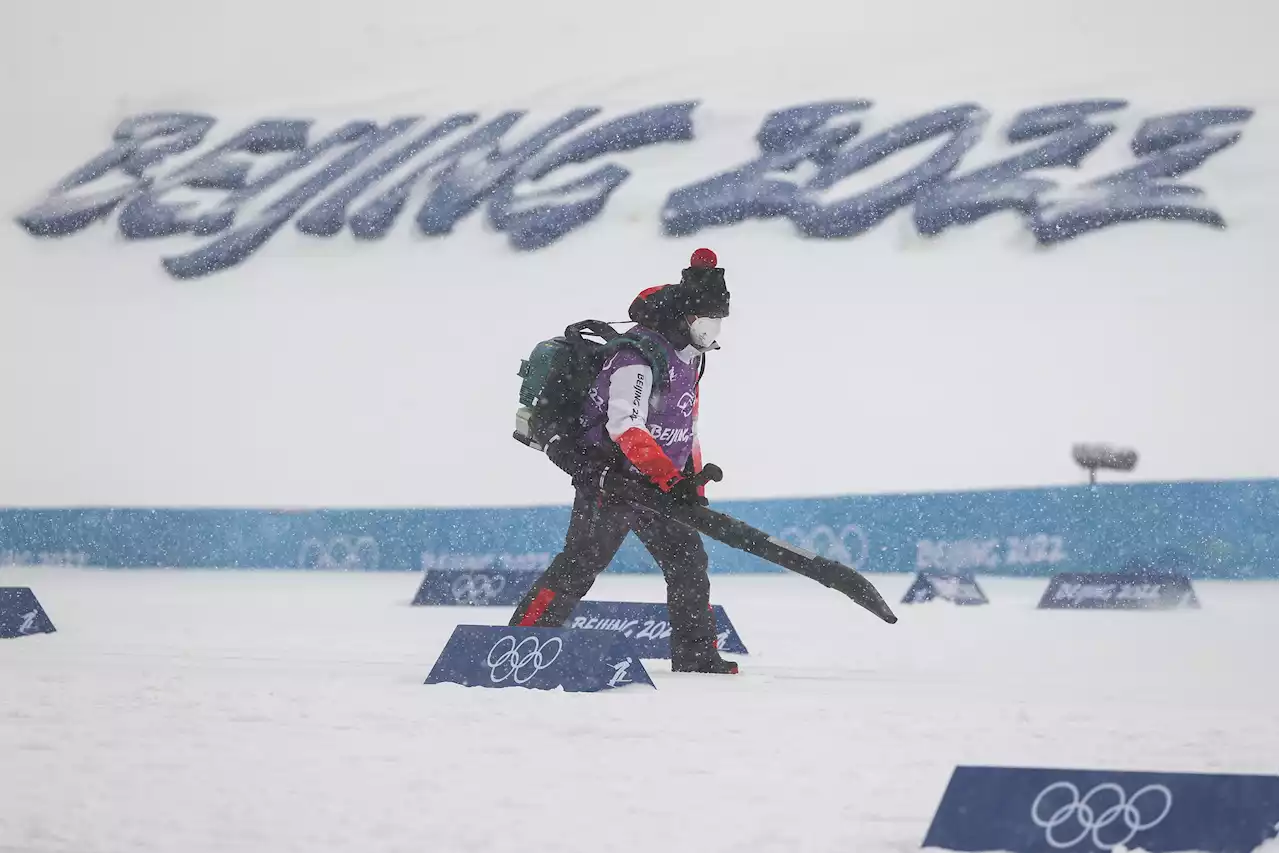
(1038, 810)
(21, 613)
(959, 588)
(474, 588)
(539, 659)
(647, 625)
(1118, 591)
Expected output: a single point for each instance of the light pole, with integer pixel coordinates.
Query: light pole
(1094, 531)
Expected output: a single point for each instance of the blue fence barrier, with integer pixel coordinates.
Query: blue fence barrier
(1225, 529)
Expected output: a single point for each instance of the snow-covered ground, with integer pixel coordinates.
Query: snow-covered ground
(210, 712)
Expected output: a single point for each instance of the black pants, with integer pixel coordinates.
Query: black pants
(596, 531)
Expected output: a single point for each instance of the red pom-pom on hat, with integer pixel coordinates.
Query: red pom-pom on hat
(703, 258)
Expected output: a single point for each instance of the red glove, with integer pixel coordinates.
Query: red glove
(645, 453)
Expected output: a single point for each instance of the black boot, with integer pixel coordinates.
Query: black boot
(702, 660)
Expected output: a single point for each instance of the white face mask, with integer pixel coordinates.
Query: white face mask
(703, 332)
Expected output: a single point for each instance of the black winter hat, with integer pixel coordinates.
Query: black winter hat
(701, 292)
(702, 288)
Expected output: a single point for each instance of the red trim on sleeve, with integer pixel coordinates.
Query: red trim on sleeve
(645, 453)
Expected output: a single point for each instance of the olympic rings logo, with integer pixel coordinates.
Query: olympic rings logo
(1092, 813)
(477, 588)
(825, 542)
(340, 552)
(523, 660)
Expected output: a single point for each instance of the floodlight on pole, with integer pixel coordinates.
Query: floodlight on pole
(1091, 457)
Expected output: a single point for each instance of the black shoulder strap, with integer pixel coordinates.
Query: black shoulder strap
(599, 328)
(652, 351)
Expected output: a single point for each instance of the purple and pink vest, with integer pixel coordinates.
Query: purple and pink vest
(671, 403)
